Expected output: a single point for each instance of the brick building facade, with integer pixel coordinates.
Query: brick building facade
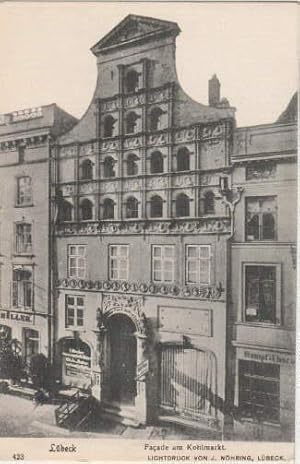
(142, 237)
(170, 270)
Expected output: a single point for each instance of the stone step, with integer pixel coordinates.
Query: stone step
(181, 421)
(121, 414)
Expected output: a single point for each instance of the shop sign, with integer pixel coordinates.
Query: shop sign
(268, 357)
(77, 364)
(142, 368)
(17, 316)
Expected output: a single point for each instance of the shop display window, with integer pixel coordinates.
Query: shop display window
(259, 390)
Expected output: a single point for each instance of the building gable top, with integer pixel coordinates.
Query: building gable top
(134, 28)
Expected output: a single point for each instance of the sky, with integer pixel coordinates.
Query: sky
(252, 47)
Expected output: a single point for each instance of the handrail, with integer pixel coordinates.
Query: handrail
(73, 404)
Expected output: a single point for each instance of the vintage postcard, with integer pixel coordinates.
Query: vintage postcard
(148, 186)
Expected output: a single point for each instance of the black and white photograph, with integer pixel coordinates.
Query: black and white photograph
(148, 221)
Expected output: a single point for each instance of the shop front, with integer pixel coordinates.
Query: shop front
(26, 332)
(264, 393)
(75, 363)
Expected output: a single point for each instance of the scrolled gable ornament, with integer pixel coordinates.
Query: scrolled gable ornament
(128, 305)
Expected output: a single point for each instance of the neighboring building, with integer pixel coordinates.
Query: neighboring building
(142, 236)
(25, 300)
(149, 249)
(261, 374)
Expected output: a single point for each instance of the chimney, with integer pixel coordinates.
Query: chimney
(214, 91)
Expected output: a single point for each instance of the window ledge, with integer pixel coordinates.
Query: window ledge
(261, 241)
(260, 324)
(75, 329)
(23, 255)
(250, 420)
(23, 309)
(26, 205)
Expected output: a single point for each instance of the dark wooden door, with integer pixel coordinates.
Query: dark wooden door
(122, 359)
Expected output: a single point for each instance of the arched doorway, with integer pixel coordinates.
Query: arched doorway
(122, 359)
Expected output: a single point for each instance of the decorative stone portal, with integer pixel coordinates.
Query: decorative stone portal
(122, 361)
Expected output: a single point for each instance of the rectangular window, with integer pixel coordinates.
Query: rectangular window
(118, 262)
(23, 238)
(31, 343)
(22, 290)
(261, 218)
(260, 294)
(198, 264)
(259, 390)
(24, 191)
(77, 261)
(163, 264)
(74, 312)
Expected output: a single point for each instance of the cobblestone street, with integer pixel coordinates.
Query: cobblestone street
(20, 417)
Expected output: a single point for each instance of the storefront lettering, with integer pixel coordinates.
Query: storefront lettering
(77, 364)
(19, 317)
(269, 357)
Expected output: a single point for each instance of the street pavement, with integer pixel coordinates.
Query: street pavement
(20, 417)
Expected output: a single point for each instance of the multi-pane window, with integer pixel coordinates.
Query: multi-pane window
(31, 343)
(132, 81)
(24, 191)
(22, 288)
(163, 263)
(86, 170)
(198, 264)
(77, 261)
(118, 262)
(209, 203)
(261, 218)
(259, 390)
(74, 311)
(132, 166)
(132, 208)
(108, 209)
(182, 205)
(23, 238)
(156, 206)
(260, 294)
(131, 123)
(156, 163)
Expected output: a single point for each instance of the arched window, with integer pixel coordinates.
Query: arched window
(86, 210)
(132, 208)
(86, 170)
(108, 167)
(156, 163)
(156, 207)
(131, 123)
(65, 211)
(108, 209)
(132, 81)
(182, 205)
(132, 166)
(109, 123)
(209, 203)
(155, 119)
(183, 159)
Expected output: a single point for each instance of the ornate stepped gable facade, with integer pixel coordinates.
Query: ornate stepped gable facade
(141, 234)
